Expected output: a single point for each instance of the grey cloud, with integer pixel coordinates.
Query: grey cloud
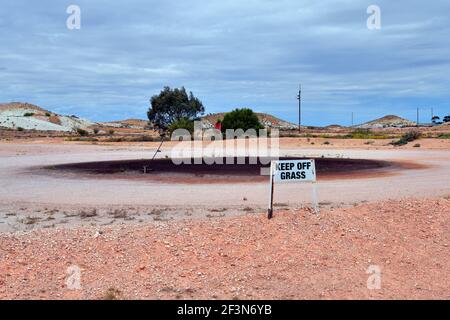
(230, 53)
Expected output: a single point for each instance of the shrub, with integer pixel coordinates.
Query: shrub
(111, 132)
(326, 142)
(112, 294)
(183, 123)
(130, 139)
(20, 129)
(47, 114)
(417, 145)
(82, 132)
(28, 114)
(118, 139)
(81, 139)
(364, 134)
(241, 119)
(407, 137)
(96, 130)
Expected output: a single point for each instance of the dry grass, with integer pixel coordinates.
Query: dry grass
(219, 210)
(88, 214)
(112, 294)
(119, 214)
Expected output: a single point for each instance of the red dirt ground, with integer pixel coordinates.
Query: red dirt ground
(297, 255)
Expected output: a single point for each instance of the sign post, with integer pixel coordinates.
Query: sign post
(270, 210)
(291, 171)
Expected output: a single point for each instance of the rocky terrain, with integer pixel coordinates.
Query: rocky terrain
(137, 124)
(25, 116)
(297, 255)
(389, 121)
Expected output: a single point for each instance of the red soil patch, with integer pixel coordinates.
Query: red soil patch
(297, 255)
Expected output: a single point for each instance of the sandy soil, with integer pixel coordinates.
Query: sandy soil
(296, 255)
(30, 200)
(144, 239)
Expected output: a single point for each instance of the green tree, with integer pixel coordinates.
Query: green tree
(241, 119)
(173, 105)
(182, 123)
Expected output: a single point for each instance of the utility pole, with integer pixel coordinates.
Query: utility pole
(417, 117)
(299, 97)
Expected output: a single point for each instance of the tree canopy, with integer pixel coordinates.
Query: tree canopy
(172, 105)
(241, 119)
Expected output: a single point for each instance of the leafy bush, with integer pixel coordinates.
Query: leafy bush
(96, 130)
(20, 129)
(112, 139)
(365, 134)
(82, 139)
(444, 136)
(28, 114)
(130, 139)
(47, 114)
(82, 132)
(241, 119)
(183, 123)
(407, 137)
(112, 294)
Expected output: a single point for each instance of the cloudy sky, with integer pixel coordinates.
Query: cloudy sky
(231, 54)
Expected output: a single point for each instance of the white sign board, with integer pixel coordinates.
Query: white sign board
(294, 171)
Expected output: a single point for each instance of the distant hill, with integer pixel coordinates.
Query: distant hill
(334, 127)
(389, 121)
(128, 124)
(27, 116)
(266, 120)
(208, 121)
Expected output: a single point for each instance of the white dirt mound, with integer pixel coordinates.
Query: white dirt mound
(30, 117)
(389, 121)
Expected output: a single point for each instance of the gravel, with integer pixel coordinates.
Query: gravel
(297, 255)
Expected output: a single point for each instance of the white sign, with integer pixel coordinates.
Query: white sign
(294, 171)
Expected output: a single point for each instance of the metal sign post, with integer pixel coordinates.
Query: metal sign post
(292, 171)
(270, 210)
